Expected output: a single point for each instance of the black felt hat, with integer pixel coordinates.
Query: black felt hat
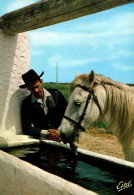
(29, 77)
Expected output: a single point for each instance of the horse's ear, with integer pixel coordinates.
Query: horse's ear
(91, 78)
(76, 74)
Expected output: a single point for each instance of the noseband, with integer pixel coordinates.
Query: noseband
(78, 124)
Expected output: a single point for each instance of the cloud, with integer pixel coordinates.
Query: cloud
(93, 39)
(125, 53)
(64, 62)
(123, 67)
(109, 33)
(19, 4)
(122, 21)
(36, 52)
(58, 38)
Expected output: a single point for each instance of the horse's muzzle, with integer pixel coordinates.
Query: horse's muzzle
(63, 138)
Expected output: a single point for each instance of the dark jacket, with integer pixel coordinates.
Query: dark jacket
(33, 113)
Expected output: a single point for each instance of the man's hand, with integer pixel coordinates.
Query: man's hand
(54, 135)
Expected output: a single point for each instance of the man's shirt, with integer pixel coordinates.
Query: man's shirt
(44, 107)
(43, 104)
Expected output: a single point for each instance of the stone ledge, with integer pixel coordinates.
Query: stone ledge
(18, 177)
(17, 140)
(24, 140)
(90, 154)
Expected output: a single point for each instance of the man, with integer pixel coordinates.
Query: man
(43, 110)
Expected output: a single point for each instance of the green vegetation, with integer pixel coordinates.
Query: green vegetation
(99, 124)
(62, 87)
(131, 85)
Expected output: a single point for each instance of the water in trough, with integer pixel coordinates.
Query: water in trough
(97, 176)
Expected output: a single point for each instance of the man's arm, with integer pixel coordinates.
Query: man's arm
(27, 127)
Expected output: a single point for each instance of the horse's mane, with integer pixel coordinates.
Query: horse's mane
(99, 79)
(120, 100)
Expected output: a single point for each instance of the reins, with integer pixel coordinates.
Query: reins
(78, 124)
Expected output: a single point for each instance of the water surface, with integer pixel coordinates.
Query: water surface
(93, 175)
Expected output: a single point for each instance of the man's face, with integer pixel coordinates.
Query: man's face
(36, 88)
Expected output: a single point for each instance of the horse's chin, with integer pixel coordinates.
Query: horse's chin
(74, 140)
(69, 138)
(74, 148)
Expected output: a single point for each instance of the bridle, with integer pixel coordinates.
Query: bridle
(78, 124)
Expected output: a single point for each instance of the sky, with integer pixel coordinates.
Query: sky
(103, 42)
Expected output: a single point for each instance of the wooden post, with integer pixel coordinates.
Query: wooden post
(57, 73)
(48, 12)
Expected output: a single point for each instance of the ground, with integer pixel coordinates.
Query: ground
(100, 141)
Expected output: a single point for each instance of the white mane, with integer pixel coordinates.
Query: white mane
(120, 101)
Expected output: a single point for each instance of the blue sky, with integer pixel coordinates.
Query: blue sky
(103, 42)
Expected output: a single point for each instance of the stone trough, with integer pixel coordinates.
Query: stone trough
(18, 177)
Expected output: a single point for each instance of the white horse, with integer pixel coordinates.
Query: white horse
(97, 97)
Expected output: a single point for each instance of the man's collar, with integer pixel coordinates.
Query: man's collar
(46, 94)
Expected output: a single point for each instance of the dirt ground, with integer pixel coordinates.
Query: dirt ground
(100, 141)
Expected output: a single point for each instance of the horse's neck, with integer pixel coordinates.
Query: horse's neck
(106, 114)
(101, 95)
(113, 127)
(116, 113)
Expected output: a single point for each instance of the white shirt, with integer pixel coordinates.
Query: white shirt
(44, 106)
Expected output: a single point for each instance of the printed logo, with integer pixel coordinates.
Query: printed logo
(123, 185)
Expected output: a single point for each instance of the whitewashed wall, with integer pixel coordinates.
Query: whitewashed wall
(14, 61)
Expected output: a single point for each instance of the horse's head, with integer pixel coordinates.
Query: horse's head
(83, 109)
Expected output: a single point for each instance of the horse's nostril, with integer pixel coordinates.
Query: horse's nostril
(63, 137)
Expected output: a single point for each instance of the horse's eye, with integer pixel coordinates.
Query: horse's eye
(77, 103)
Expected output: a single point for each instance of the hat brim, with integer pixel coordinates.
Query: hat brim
(25, 86)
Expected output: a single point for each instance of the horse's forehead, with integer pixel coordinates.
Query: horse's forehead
(78, 92)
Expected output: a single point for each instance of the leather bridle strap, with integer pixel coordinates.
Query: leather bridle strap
(91, 93)
(97, 102)
(76, 123)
